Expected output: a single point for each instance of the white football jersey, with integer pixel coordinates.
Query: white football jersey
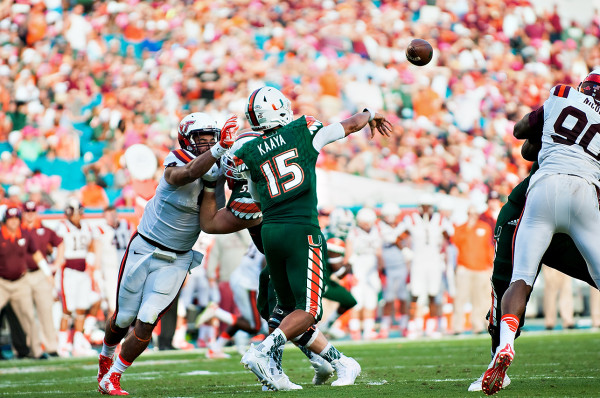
(571, 136)
(171, 216)
(426, 234)
(247, 273)
(392, 256)
(76, 240)
(114, 242)
(363, 242)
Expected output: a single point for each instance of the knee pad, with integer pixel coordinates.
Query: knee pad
(123, 319)
(277, 316)
(308, 337)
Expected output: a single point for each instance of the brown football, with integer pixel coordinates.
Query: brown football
(419, 52)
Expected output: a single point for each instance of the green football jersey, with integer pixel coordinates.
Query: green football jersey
(519, 192)
(282, 167)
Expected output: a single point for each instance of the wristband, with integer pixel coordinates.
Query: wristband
(208, 189)
(217, 150)
(371, 112)
(43, 265)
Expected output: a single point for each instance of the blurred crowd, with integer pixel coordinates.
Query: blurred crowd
(83, 81)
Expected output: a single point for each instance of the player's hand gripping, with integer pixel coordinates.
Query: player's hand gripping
(227, 137)
(381, 124)
(228, 131)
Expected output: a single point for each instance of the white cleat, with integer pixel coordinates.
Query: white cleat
(476, 385)
(323, 370)
(258, 363)
(347, 370)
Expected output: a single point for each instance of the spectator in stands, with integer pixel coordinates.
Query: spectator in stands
(93, 195)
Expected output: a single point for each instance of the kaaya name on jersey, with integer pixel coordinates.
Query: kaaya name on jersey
(270, 143)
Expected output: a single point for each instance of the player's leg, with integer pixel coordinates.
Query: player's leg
(336, 292)
(532, 238)
(127, 302)
(295, 268)
(160, 289)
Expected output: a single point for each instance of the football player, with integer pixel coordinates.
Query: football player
(242, 207)
(428, 231)
(562, 197)
(396, 269)
(75, 283)
(281, 173)
(363, 253)
(159, 256)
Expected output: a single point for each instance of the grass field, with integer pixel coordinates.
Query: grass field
(546, 365)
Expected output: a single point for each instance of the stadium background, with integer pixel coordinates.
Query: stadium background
(82, 82)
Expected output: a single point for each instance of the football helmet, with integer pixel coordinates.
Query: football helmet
(73, 205)
(192, 127)
(268, 108)
(389, 212)
(340, 222)
(591, 85)
(366, 217)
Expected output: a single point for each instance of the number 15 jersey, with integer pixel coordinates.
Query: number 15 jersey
(282, 165)
(571, 136)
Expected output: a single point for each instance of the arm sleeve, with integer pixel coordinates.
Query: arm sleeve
(328, 134)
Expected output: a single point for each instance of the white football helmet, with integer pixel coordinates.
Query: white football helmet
(268, 108)
(366, 217)
(340, 222)
(389, 212)
(192, 127)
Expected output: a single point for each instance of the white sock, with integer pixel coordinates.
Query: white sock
(403, 323)
(354, 325)
(108, 350)
(509, 324)
(275, 339)
(386, 322)
(63, 338)
(180, 334)
(431, 325)
(225, 316)
(78, 340)
(89, 324)
(368, 326)
(120, 365)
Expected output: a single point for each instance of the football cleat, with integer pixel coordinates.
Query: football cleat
(275, 380)
(494, 376)
(347, 370)
(476, 385)
(323, 370)
(104, 364)
(111, 384)
(208, 314)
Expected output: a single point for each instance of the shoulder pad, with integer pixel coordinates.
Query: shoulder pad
(561, 90)
(178, 157)
(313, 124)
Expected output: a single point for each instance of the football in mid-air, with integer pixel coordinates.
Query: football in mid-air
(419, 52)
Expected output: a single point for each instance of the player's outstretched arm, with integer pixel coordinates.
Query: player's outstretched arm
(530, 126)
(220, 221)
(195, 169)
(376, 121)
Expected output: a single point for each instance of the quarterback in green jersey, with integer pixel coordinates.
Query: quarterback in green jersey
(562, 255)
(280, 167)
